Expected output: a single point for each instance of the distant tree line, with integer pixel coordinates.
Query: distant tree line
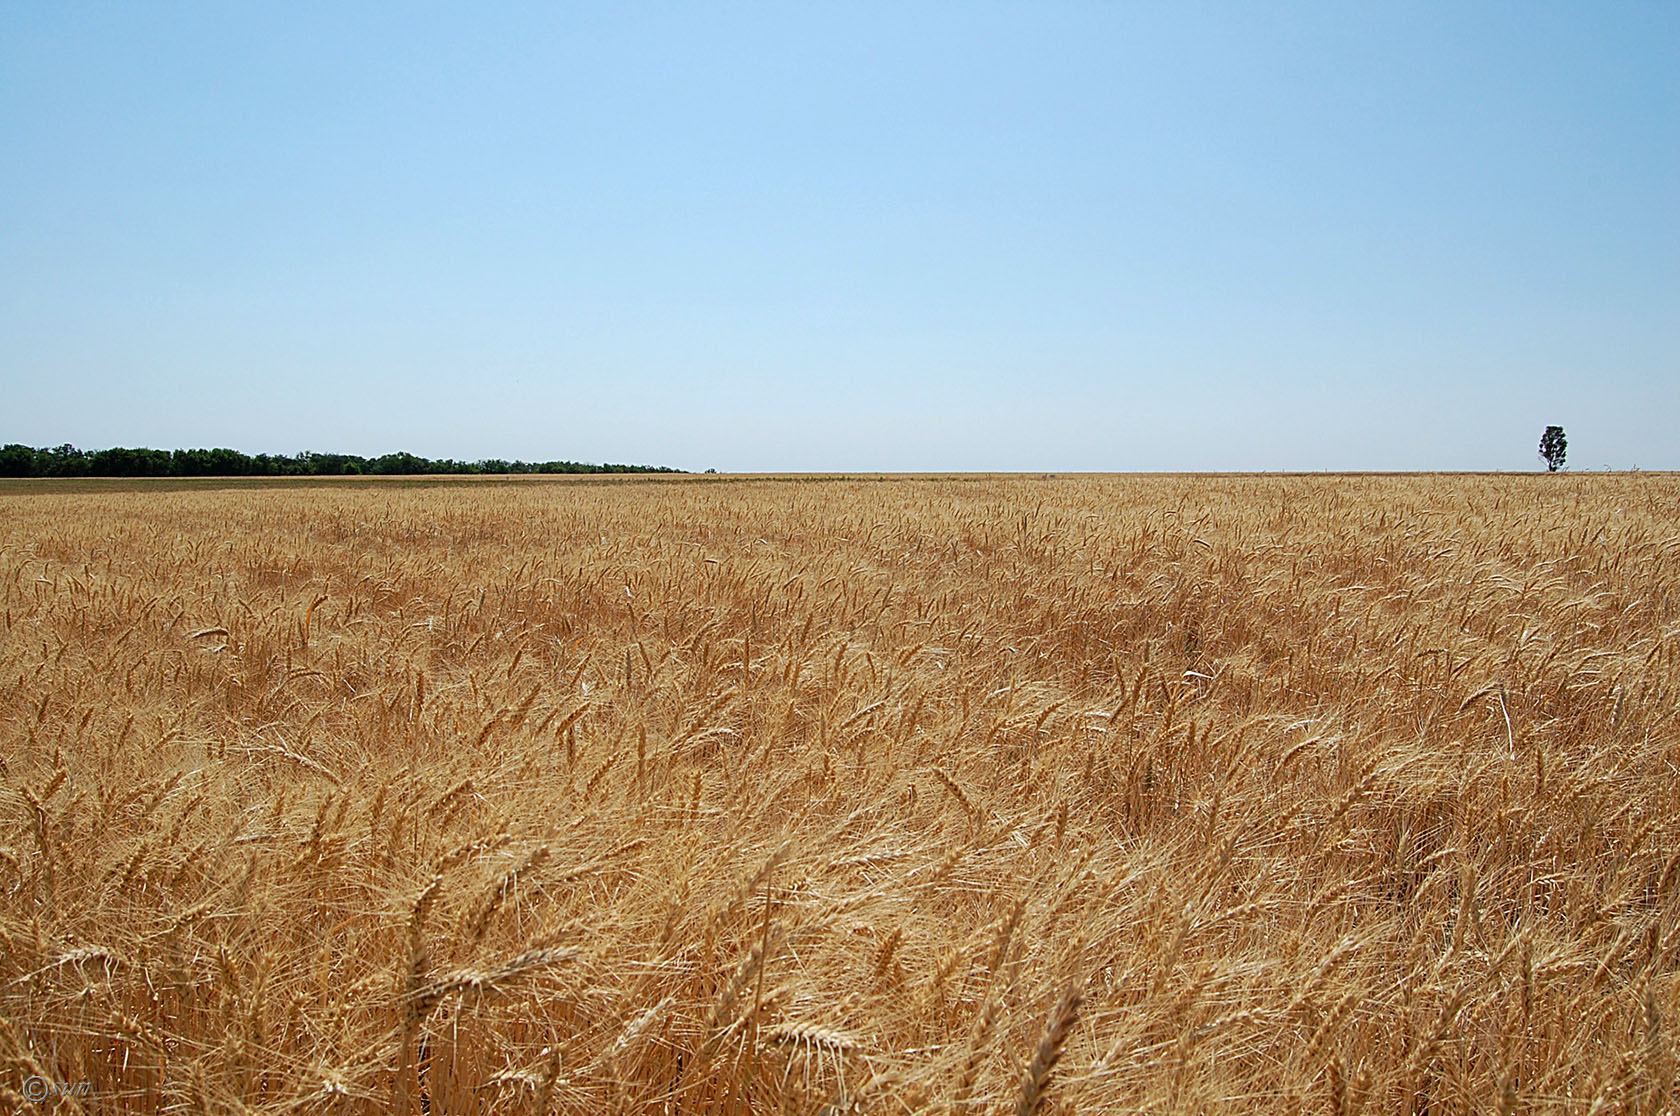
(68, 461)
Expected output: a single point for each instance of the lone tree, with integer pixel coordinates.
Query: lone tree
(1553, 445)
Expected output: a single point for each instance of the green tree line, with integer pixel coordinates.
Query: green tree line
(68, 461)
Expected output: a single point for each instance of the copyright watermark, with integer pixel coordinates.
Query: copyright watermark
(37, 1089)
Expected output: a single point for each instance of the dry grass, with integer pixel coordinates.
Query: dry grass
(925, 795)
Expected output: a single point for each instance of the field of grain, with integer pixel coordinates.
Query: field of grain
(918, 795)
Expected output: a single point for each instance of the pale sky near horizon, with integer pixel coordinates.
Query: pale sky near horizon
(894, 237)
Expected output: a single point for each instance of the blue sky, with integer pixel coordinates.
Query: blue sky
(847, 237)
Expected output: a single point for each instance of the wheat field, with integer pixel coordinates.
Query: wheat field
(913, 795)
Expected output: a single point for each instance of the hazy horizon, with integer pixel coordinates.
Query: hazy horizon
(928, 238)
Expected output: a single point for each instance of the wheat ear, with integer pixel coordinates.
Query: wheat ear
(1036, 1081)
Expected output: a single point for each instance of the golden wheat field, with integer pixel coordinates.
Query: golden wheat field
(912, 795)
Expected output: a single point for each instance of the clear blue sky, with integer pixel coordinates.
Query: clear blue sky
(847, 237)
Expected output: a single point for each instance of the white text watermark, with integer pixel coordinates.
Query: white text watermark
(37, 1089)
